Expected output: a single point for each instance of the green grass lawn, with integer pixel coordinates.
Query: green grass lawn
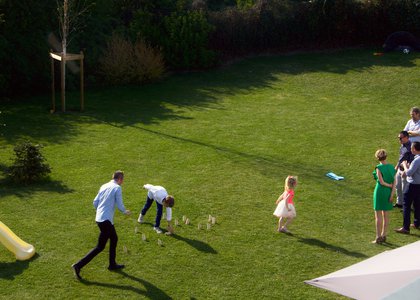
(222, 142)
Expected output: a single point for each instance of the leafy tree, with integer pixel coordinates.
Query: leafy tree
(23, 45)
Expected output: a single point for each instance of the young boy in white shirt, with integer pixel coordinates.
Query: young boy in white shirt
(159, 195)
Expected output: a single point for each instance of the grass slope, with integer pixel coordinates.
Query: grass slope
(222, 143)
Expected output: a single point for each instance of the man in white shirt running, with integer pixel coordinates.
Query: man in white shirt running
(159, 195)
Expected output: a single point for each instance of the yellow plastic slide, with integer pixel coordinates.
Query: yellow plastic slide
(12, 242)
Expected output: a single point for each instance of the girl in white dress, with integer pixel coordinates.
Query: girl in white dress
(285, 209)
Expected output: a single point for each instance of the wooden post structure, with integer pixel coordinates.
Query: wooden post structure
(52, 85)
(63, 82)
(82, 85)
(62, 59)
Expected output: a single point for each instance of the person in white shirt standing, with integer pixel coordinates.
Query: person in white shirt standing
(108, 198)
(413, 125)
(158, 194)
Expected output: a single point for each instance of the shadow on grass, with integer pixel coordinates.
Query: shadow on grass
(167, 100)
(329, 247)
(199, 245)
(269, 166)
(23, 191)
(389, 245)
(148, 290)
(12, 269)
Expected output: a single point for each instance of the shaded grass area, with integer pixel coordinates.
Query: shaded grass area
(222, 143)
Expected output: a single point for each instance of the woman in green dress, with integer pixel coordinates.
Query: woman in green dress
(384, 175)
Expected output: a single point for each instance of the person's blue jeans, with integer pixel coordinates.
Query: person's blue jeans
(159, 209)
(411, 197)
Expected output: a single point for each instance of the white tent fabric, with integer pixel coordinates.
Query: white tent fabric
(390, 275)
(409, 292)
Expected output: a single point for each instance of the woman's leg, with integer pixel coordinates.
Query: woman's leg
(385, 223)
(378, 224)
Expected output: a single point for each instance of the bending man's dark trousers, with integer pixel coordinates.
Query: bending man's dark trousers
(107, 232)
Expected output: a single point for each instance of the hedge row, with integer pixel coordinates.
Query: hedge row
(191, 34)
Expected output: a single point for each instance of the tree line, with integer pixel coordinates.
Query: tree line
(146, 38)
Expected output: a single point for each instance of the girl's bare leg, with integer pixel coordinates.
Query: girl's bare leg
(280, 226)
(288, 222)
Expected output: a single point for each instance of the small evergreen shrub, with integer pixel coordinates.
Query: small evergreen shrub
(29, 163)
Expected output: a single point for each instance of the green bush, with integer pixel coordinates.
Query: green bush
(186, 41)
(29, 163)
(182, 34)
(146, 19)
